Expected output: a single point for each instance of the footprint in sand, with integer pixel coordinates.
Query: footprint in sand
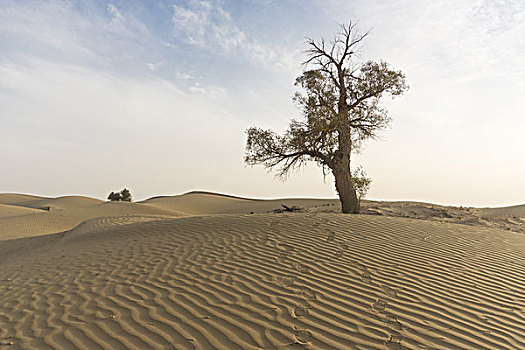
(300, 311)
(308, 293)
(379, 305)
(339, 253)
(286, 246)
(394, 342)
(366, 277)
(330, 237)
(282, 257)
(288, 281)
(343, 246)
(391, 292)
(301, 267)
(393, 322)
(302, 335)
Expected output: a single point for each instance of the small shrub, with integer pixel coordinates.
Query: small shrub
(123, 195)
(361, 182)
(114, 196)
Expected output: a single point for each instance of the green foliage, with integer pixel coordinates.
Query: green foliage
(361, 182)
(271, 149)
(363, 86)
(114, 197)
(123, 195)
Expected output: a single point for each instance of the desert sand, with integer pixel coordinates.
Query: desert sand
(209, 271)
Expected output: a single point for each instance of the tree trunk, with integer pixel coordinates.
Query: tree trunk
(341, 162)
(345, 188)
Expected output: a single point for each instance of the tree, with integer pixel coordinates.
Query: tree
(114, 197)
(340, 103)
(123, 195)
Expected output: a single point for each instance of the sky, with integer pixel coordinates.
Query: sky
(156, 96)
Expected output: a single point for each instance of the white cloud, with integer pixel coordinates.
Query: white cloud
(116, 16)
(207, 25)
(203, 23)
(197, 88)
(61, 31)
(47, 28)
(192, 23)
(449, 39)
(186, 76)
(155, 66)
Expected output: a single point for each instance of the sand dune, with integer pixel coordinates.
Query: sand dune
(66, 202)
(204, 203)
(269, 281)
(196, 272)
(505, 218)
(18, 199)
(45, 222)
(64, 213)
(7, 210)
(514, 211)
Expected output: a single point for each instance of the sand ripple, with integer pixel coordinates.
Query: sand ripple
(266, 282)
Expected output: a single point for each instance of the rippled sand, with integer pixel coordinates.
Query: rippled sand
(314, 280)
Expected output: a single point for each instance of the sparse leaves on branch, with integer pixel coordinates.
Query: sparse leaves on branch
(362, 183)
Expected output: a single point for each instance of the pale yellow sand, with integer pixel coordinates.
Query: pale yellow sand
(203, 203)
(18, 199)
(7, 210)
(67, 212)
(142, 280)
(64, 213)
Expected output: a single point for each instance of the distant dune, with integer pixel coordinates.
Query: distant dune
(206, 203)
(52, 215)
(209, 271)
(18, 199)
(514, 211)
(7, 210)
